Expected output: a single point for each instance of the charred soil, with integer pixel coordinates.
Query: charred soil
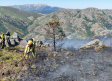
(66, 65)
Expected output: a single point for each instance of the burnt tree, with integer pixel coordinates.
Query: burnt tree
(54, 31)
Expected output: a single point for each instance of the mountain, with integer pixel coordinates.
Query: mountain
(40, 8)
(77, 23)
(15, 20)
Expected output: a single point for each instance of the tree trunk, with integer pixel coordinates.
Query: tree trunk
(54, 40)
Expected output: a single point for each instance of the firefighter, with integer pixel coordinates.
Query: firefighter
(2, 40)
(30, 47)
(40, 43)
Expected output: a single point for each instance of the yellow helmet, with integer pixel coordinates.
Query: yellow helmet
(30, 43)
(33, 39)
(37, 40)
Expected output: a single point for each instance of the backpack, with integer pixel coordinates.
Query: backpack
(41, 42)
(29, 39)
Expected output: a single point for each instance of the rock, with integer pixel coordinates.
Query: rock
(12, 41)
(14, 36)
(23, 43)
(95, 43)
(7, 41)
(17, 40)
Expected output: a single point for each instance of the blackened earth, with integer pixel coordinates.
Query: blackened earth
(75, 65)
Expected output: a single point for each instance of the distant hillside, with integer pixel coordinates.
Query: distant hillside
(15, 20)
(40, 8)
(77, 23)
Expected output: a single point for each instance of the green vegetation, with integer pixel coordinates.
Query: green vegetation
(72, 31)
(75, 15)
(2, 28)
(10, 60)
(78, 11)
(21, 13)
(110, 17)
(79, 16)
(10, 57)
(88, 30)
(16, 20)
(54, 30)
(70, 24)
(106, 24)
(89, 20)
(103, 13)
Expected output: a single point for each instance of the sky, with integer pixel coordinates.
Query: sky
(69, 4)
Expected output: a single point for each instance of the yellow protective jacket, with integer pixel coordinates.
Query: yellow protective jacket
(40, 43)
(30, 49)
(2, 38)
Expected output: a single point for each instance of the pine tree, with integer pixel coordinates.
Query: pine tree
(54, 31)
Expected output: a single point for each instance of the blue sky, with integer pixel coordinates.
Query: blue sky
(71, 4)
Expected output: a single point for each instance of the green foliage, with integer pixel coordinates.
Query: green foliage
(78, 11)
(11, 79)
(33, 67)
(103, 13)
(110, 17)
(79, 16)
(54, 16)
(70, 24)
(25, 33)
(89, 20)
(11, 33)
(88, 30)
(75, 15)
(2, 28)
(37, 23)
(54, 31)
(72, 31)
(16, 19)
(4, 58)
(20, 13)
(106, 24)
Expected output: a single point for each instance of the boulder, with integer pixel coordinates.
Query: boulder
(15, 36)
(7, 41)
(95, 43)
(23, 43)
(12, 41)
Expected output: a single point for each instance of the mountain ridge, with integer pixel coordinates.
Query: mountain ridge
(77, 23)
(15, 20)
(40, 8)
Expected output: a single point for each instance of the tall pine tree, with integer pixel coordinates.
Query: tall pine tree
(54, 31)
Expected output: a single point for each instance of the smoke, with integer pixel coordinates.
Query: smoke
(77, 43)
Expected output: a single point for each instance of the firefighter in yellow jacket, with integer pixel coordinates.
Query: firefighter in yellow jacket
(30, 47)
(2, 40)
(40, 43)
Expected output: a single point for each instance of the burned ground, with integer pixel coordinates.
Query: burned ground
(65, 65)
(75, 65)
